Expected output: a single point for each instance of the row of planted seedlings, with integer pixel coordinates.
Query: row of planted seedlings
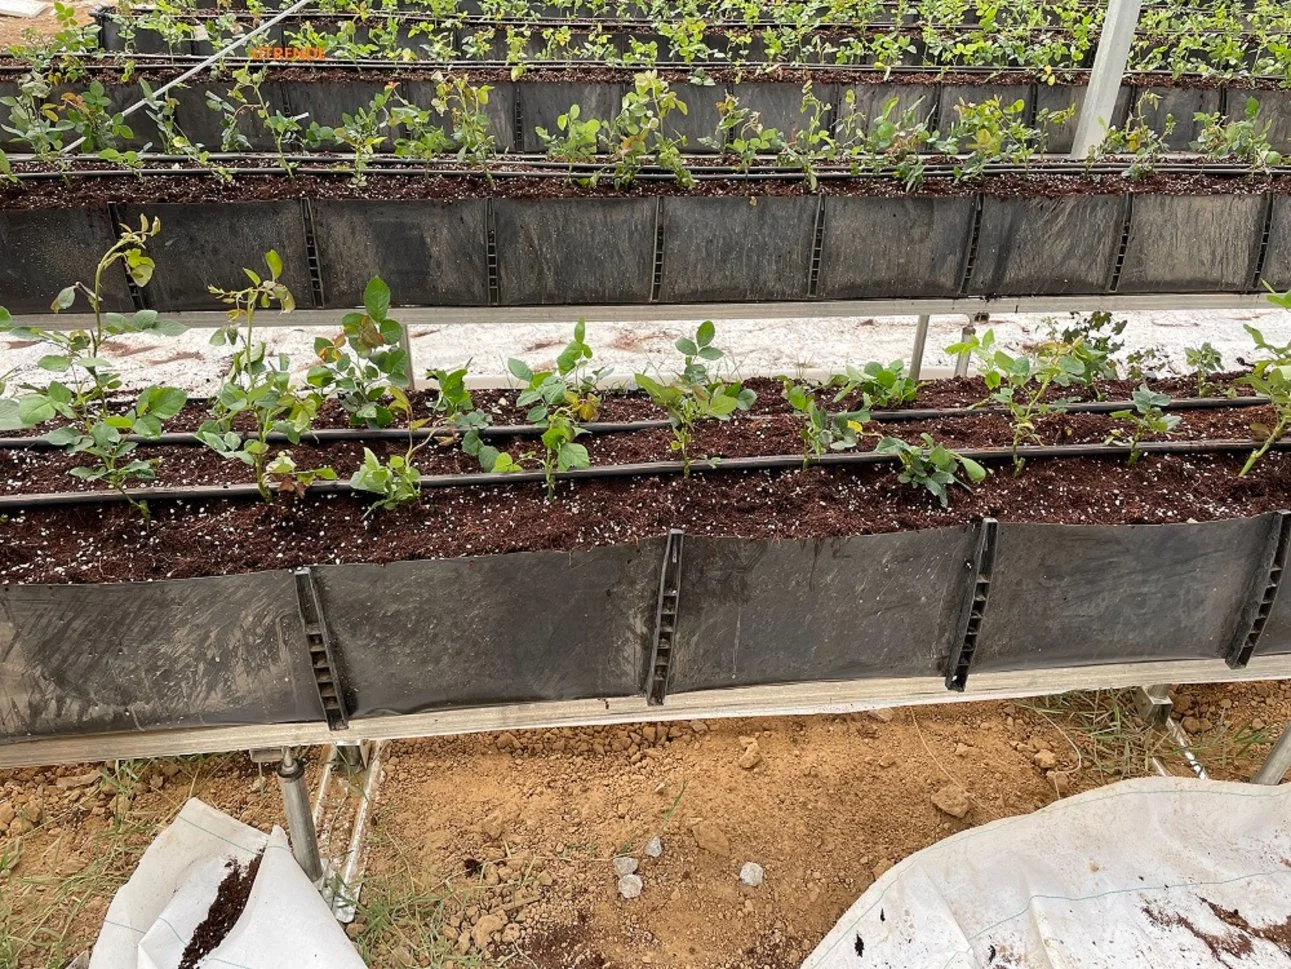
(1177, 37)
(261, 414)
(619, 128)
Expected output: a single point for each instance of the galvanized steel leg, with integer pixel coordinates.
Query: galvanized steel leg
(300, 818)
(1105, 80)
(1278, 763)
(920, 342)
(962, 361)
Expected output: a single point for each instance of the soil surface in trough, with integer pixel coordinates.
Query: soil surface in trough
(76, 191)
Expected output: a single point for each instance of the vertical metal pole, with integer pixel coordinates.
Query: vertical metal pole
(1105, 80)
(920, 342)
(1278, 763)
(961, 362)
(405, 344)
(300, 818)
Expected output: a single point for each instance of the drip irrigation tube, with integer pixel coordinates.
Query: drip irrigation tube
(338, 434)
(775, 462)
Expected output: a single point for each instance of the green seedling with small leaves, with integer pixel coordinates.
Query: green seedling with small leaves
(455, 412)
(257, 386)
(1270, 377)
(695, 394)
(1020, 384)
(1245, 139)
(1094, 341)
(83, 396)
(395, 481)
(878, 385)
(285, 476)
(821, 431)
(1147, 417)
(363, 361)
(1203, 363)
(931, 466)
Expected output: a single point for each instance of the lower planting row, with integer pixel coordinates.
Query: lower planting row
(657, 617)
(670, 249)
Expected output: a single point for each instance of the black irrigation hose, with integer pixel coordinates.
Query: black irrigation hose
(338, 434)
(777, 462)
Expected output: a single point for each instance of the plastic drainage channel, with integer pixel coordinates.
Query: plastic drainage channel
(336, 434)
(978, 594)
(666, 616)
(320, 649)
(1247, 639)
(776, 462)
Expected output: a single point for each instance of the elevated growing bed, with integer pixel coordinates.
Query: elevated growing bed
(660, 617)
(739, 240)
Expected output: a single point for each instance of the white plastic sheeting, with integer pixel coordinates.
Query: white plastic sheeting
(285, 923)
(1143, 874)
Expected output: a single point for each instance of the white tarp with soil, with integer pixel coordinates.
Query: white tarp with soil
(1139, 875)
(213, 892)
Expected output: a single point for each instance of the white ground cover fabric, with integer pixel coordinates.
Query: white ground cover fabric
(1143, 874)
(285, 923)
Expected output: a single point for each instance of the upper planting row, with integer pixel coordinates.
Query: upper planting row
(1177, 36)
(618, 132)
(366, 370)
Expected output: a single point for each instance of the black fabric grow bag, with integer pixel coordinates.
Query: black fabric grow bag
(754, 612)
(1064, 245)
(877, 248)
(151, 655)
(428, 252)
(1192, 243)
(1063, 595)
(494, 629)
(575, 250)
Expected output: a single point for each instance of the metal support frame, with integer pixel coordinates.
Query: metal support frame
(665, 621)
(300, 815)
(969, 331)
(920, 344)
(1105, 80)
(1278, 762)
(1153, 703)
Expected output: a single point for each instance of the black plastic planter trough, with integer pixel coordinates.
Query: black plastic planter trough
(657, 619)
(676, 249)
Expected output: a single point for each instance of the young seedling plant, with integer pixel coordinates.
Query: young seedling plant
(879, 385)
(258, 388)
(363, 361)
(695, 394)
(821, 431)
(931, 466)
(395, 481)
(1020, 384)
(1271, 378)
(84, 395)
(1147, 417)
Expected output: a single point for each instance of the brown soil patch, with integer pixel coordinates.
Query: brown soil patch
(228, 906)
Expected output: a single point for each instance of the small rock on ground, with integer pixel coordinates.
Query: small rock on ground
(653, 848)
(1045, 759)
(624, 865)
(751, 874)
(752, 756)
(882, 714)
(630, 886)
(952, 800)
(710, 837)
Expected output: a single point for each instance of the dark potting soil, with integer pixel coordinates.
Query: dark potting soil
(87, 190)
(230, 901)
(44, 471)
(110, 543)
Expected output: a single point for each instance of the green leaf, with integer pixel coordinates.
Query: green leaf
(974, 470)
(687, 347)
(165, 402)
(9, 419)
(54, 362)
(64, 299)
(148, 426)
(62, 436)
(571, 456)
(704, 335)
(520, 370)
(376, 298)
(274, 262)
(34, 409)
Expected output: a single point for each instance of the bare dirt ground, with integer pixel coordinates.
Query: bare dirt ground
(497, 850)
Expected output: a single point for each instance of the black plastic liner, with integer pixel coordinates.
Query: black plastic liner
(415, 636)
(149, 655)
(675, 249)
